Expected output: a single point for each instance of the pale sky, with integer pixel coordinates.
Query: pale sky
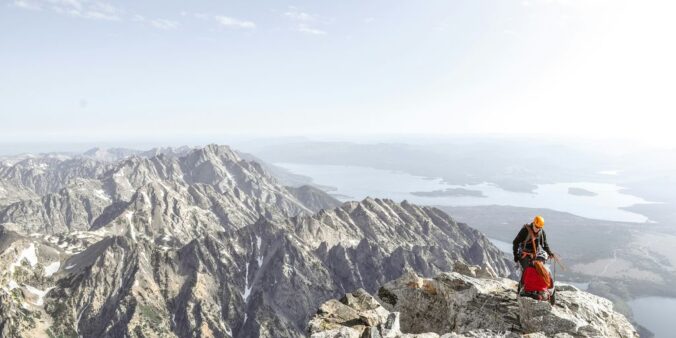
(89, 69)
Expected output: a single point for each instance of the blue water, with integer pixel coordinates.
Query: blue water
(356, 183)
(502, 245)
(657, 314)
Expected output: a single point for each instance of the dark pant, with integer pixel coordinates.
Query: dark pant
(524, 262)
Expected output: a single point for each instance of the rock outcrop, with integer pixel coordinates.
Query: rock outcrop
(466, 303)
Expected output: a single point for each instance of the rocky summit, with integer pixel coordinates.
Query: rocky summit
(468, 302)
(199, 242)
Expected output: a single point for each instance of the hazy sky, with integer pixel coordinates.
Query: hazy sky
(78, 69)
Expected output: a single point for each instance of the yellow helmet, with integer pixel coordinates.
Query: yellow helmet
(539, 222)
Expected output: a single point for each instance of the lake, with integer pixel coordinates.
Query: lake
(356, 183)
(502, 245)
(656, 314)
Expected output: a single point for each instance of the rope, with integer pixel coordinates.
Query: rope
(557, 260)
(554, 279)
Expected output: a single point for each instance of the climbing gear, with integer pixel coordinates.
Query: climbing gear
(558, 261)
(538, 295)
(539, 222)
(533, 281)
(543, 273)
(534, 286)
(541, 255)
(555, 261)
(552, 298)
(532, 236)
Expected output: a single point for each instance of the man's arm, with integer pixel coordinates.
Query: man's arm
(520, 237)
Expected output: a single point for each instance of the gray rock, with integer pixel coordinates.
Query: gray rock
(390, 328)
(371, 332)
(342, 332)
(458, 305)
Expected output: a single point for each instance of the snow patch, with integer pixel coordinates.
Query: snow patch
(101, 194)
(119, 173)
(40, 294)
(132, 232)
(79, 317)
(52, 268)
(247, 288)
(260, 254)
(29, 254)
(82, 235)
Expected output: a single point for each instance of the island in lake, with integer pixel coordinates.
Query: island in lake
(453, 192)
(581, 192)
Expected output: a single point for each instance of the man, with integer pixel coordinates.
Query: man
(530, 234)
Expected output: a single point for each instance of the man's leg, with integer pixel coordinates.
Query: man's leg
(523, 263)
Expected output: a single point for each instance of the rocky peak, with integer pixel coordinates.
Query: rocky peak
(212, 152)
(109, 154)
(468, 302)
(167, 151)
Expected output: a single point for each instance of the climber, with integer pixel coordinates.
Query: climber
(530, 235)
(531, 251)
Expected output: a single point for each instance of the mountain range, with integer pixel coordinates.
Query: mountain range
(199, 242)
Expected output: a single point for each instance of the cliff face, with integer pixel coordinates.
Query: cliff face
(468, 302)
